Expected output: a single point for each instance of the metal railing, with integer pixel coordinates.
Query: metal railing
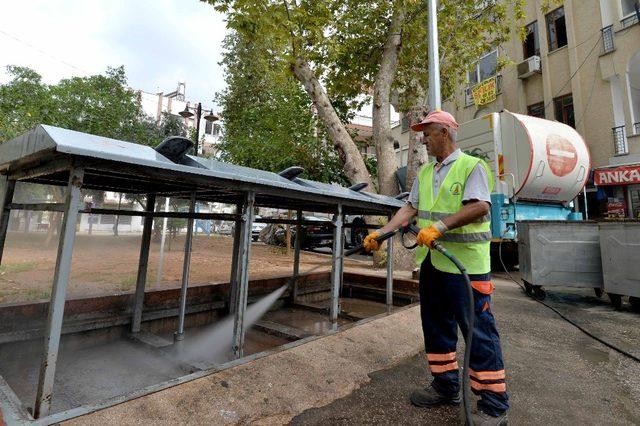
(607, 39)
(620, 146)
(636, 128)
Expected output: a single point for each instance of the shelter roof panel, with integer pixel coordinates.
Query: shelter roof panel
(121, 166)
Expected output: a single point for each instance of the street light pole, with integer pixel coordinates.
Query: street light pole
(211, 117)
(434, 58)
(198, 116)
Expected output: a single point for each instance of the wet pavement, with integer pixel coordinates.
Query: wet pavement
(90, 372)
(309, 322)
(363, 375)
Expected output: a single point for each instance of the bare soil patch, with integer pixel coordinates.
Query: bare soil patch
(105, 264)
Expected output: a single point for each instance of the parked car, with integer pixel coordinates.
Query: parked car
(256, 227)
(314, 235)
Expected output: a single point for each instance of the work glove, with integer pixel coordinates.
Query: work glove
(428, 235)
(370, 243)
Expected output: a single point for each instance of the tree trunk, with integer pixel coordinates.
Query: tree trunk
(417, 151)
(116, 222)
(354, 167)
(382, 138)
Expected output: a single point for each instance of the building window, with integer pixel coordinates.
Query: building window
(211, 128)
(564, 110)
(405, 123)
(536, 110)
(487, 66)
(556, 29)
(531, 44)
(628, 7)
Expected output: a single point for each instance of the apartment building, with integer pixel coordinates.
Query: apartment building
(154, 104)
(580, 65)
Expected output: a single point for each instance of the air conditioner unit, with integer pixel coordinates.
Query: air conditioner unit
(528, 67)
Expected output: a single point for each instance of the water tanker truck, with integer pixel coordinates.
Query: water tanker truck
(539, 167)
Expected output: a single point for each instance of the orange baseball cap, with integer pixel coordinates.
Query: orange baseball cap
(440, 117)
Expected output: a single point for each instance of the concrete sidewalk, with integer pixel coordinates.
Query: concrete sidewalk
(363, 375)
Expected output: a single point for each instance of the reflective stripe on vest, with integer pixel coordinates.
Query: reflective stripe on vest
(472, 237)
(435, 216)
(469, 243)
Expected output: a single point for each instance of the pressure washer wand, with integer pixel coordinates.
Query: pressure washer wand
(379, 239)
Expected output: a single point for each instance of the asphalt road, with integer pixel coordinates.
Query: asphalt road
(555, 373)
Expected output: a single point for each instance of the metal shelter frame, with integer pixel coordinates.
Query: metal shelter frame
(76, 161)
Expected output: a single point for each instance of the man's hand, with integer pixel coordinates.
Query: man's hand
(370, 243)
(428, 235)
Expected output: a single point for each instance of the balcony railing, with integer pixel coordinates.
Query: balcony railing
(607, 39)
(629, 20)
(620, 146)
(636, 128)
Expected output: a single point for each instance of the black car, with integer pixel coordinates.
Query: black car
(314, 235)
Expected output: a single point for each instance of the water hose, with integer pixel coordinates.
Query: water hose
(469, 337)
(409, 233)
(412, 229)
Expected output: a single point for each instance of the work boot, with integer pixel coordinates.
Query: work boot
(429, 397)
(480, 418)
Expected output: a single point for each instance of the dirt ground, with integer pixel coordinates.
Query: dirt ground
(105, 264)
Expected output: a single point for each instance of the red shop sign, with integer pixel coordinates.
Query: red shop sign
(624, 175)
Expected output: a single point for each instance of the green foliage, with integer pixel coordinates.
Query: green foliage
(269, 123)
(172, 125)
(24, 102)
(344, 39)
(466, 30)
(372, 168)
(98, 104)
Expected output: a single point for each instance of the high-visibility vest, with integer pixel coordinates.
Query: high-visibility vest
(469, 243)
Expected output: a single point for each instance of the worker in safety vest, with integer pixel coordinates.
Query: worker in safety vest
(452, 200)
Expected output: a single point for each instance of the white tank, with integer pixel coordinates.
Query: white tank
(538, 159)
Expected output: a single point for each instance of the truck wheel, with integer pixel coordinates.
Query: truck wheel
(598, 292)
(635, 303)
(616, 301)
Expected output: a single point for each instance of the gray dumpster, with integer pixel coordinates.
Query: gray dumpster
(559, 253)
(620, 249)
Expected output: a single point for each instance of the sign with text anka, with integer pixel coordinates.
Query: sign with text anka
(623, 175)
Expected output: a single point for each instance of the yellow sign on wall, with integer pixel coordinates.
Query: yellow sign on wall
(485, 92)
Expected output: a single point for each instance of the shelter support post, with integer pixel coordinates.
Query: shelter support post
(185, 270)
(243, 276)
(143, 264)
(296, 257)
(389, 274)
(7, 187)
(163, 240)
(336, 268)
(53, 327)
(233, 281)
